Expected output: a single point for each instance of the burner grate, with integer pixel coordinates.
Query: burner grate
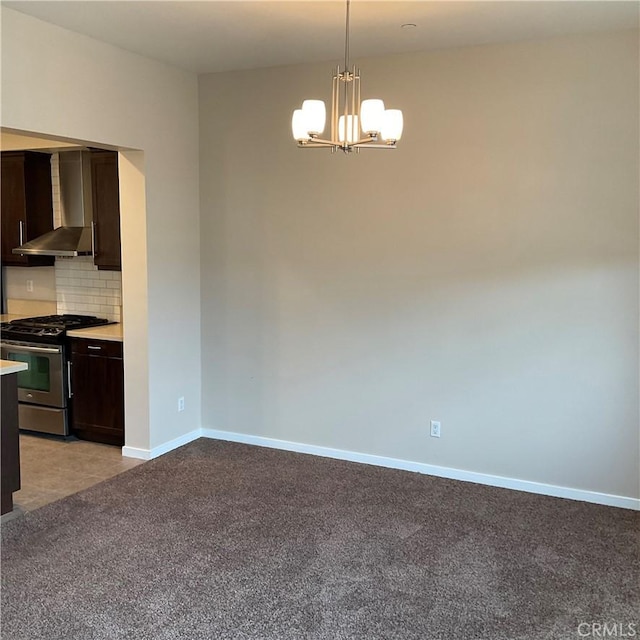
(63, 320)
(48, 328)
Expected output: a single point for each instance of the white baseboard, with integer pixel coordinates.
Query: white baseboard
(150, 454)
(134, 452)
(429, 469)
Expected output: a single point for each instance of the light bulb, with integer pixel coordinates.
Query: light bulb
(371, 115)
(315, 114)
(392, 124)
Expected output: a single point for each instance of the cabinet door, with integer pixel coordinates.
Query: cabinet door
(98, 396)
(14, 218)
(38, 196)
(106, 209)
(27, 204)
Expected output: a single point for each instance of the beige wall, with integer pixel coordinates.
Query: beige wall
(484, 274)
(62, 84)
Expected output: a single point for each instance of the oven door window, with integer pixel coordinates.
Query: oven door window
(37, 377)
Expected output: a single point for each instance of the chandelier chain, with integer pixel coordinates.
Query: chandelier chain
(346, 40)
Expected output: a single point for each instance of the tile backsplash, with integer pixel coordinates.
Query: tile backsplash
(82, 288)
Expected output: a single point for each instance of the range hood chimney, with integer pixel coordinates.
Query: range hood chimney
(74, 237)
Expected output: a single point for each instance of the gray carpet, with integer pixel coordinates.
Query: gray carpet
(218, 540)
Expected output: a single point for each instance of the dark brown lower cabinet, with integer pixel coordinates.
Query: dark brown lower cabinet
(97, 384)
(10, 444)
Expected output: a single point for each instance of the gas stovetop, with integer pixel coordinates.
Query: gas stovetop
(47, 328)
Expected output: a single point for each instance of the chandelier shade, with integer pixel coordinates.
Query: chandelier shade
(315, 116)
(392, 124)
(348, 129)
(354, 124)
(371, 115)
(299, 126)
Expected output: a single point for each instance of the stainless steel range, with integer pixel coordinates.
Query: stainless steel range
(44, 390)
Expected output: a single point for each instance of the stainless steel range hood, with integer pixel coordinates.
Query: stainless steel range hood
(74, 237)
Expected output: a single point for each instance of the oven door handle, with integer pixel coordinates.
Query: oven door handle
(23, 347)
(69, 391)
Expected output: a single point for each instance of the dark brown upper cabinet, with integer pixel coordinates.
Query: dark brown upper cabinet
(106, 210)
(27, 204)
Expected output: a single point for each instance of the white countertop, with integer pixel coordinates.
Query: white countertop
(8, 317)
(9, 366)
(112, 332)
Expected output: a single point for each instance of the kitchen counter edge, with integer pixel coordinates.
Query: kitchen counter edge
(9, 366)
(110, 332)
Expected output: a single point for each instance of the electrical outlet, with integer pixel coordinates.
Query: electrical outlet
(181, 403)
(30, 286)
(435, 429)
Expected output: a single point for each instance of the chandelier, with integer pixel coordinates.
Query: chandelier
(354, 124)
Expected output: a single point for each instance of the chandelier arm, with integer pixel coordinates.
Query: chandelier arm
(314, 145)
(316, 141)
(369, 140)
(390, 145)
(371, 143)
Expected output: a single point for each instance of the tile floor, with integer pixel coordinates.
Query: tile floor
(51, 469)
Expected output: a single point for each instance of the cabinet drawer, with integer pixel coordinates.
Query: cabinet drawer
(104, 348)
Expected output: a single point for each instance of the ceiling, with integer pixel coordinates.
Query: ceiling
(211, 35)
